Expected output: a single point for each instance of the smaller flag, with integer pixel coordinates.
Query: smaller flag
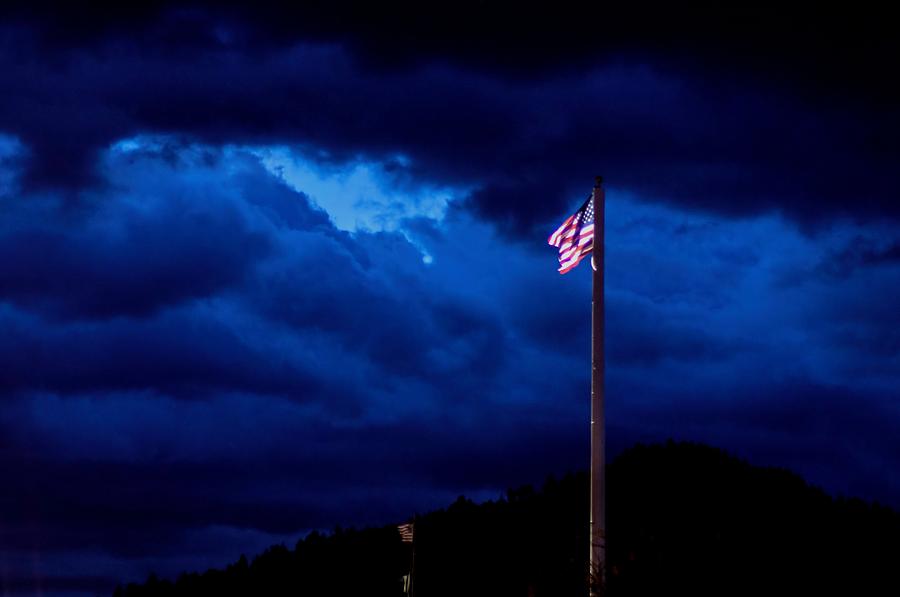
(406, 532)
(575, 238)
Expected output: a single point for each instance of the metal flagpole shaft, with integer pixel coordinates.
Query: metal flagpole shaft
(412, 568)
(598, 423)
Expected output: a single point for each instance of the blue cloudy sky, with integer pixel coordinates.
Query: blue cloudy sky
(263, 272)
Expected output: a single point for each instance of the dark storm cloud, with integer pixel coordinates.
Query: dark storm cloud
(70, 503)
(186, 354)
(334, 303)
(154, 260)
(838, 436)
(644, 336)
(128, 295)
(640, 333)
(90, 502)
(113, 416)
(113, 296)
(573, 100)
(860, 252)
(837, 47)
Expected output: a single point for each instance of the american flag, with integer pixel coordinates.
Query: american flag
(406, 532)
(575, 238)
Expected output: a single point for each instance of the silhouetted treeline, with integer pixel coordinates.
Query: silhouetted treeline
(682, 519)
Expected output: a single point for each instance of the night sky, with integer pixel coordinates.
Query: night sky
(268, 271)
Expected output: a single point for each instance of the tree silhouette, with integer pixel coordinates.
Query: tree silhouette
(683, 518)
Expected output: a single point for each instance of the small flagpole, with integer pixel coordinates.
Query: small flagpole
(598, 419)
(412, 567)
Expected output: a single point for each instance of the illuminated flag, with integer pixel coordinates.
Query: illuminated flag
(406, 532)
(575, 238)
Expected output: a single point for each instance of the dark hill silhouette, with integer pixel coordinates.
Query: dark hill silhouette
(683, 519)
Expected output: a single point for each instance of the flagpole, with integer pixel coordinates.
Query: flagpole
(412, 568)
(598, 420)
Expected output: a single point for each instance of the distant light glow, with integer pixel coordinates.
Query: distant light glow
(363, 195)
(357, 195)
